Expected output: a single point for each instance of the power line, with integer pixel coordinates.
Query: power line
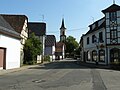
(68, 30)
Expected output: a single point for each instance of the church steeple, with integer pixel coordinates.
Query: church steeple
(62, 31)
(63, 25)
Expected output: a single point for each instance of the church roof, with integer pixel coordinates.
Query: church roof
(63, 25)
(112, 8)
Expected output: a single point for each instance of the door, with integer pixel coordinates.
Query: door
(2, 58)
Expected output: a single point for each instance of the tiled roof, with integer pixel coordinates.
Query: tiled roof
(102, 25)
(50, 40)
(37, 27)
(15, 21)
(112, 8)
(6, 29)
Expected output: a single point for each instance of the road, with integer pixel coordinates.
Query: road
(61, 75)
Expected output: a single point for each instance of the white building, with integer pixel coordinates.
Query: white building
(19, 24)
(101, 43)
(50, 43)
(9, 46)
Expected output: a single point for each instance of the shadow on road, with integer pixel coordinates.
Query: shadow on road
(69, 64)
(59, 65)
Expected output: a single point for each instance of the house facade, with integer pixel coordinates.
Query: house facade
(59, 51)
(9, 46)
(39, 29)
(50, 43)
(19, 24)
(101, 44)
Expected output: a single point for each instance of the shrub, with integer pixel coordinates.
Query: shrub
(47, 58)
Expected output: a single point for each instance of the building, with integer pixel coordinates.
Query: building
(39, 28)
(19, 24)
(62, 32)
(60, 51)
(50, 43)
(101, 44)
(10, 44)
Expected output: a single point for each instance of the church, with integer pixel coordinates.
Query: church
(60, 46)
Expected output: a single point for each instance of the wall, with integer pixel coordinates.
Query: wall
(48, 50)
(92, 45)
(12, 51)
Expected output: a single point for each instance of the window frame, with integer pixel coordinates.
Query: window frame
(94, 55)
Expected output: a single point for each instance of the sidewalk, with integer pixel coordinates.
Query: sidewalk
(2, 72)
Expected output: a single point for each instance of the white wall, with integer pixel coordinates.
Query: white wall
(42, 40)
(48, 50)
(12, 51)
(92, 45)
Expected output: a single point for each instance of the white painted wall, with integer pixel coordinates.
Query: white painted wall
(42, 40)
(12, 46)
(92, 45)
(50, 51)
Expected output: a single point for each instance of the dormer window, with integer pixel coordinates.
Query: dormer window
(113, 16)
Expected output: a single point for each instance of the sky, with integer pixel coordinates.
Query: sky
(78, 14)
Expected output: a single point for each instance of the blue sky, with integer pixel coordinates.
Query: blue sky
(78, 14)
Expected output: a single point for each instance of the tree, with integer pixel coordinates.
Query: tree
(32, 48)
(71, 45)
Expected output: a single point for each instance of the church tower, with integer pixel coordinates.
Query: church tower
(62, 32)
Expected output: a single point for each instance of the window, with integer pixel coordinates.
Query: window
(101, 37)
(113, 16)
(94, 55)
(113, 36)
(63, 33)
(93, 38)
(102, 55)
(87, 40)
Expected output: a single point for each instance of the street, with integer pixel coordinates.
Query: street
(61, 75)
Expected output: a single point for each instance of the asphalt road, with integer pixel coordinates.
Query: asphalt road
(61, 75)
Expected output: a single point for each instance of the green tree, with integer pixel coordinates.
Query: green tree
(32, 48)
(71, 45)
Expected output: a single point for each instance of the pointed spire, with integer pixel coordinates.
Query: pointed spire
(63, 25)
